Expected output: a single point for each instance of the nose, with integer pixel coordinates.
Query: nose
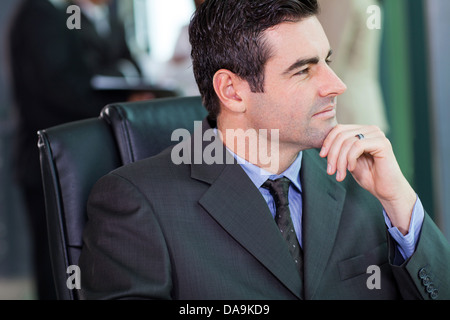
(330, 83)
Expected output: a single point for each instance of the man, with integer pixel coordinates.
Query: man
(211, 230)
(103, 38)
(52, 85)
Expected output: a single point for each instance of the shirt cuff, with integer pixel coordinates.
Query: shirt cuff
(407, 244)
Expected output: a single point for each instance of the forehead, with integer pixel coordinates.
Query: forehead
(290, 41)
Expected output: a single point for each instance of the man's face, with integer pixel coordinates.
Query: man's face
(300, 89)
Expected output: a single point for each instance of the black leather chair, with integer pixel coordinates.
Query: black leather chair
(75, 155)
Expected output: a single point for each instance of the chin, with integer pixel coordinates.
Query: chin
(316, 137)
(311, 137)
(332, 125)
(317, 145)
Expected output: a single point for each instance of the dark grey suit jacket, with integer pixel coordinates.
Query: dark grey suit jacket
(197, 231)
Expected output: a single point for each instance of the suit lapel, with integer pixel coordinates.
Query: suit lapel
(237, 205)
(323, 200)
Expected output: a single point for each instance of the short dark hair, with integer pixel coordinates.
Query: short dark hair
(228, 34)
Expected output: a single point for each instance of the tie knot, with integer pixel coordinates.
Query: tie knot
(279, 189)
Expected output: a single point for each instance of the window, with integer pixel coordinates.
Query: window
(155, 31)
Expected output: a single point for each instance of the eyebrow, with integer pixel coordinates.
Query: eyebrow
(303, 62)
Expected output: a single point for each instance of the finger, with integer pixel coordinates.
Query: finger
(332, 136)
(351, 130)
(342, 161)
(372, 145)
(353, 155)
(335, 140)
(335, 147)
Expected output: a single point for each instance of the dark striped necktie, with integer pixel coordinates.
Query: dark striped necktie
(279, 189)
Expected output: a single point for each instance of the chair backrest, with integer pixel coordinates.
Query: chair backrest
(143, 129)
(75, 155)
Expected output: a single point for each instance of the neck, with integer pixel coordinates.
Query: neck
(259, 147)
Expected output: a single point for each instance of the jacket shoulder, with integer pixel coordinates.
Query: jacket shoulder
(160, 165)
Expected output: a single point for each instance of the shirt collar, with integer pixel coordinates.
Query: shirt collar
(259, 175)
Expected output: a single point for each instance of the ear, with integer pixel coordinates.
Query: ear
(228, 87)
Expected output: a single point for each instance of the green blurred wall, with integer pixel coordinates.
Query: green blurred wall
(404, 82)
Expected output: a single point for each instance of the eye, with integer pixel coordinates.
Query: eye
(302, 72)
(329, 61)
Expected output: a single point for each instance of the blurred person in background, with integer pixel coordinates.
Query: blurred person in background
(52, 68)
(104, 42)
(356, 55)
(179, 67)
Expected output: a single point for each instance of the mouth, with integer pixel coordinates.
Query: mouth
(328, 112)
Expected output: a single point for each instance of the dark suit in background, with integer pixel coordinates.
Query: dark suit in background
(195, 231)
(105, 51)
(52, 68)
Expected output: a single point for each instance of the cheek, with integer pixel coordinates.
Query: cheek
(297, 111)
(288, 109)
(292, 115)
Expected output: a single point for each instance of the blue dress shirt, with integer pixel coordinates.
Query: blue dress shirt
(406, 244)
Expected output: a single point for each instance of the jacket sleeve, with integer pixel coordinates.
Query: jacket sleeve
(124, 253)
(426, 274)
